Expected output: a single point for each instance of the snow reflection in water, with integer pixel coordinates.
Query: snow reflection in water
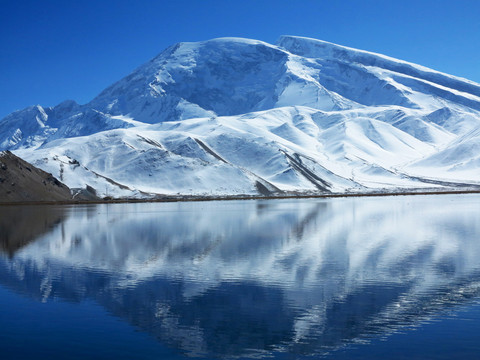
(253, 278)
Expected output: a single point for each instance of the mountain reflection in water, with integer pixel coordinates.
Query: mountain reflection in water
(20, 225)
(254, 278)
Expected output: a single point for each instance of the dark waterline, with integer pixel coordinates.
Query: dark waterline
(350, 278)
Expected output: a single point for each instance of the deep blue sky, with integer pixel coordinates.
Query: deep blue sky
(72, 49)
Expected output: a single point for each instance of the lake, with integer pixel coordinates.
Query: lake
(346, 278)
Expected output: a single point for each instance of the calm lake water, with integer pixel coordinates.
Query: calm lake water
(353, 278)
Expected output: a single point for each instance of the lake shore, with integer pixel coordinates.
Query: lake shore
(187, 198)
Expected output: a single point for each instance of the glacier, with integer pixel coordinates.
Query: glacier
(233, 116)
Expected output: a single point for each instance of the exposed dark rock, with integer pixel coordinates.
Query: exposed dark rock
(262, 189)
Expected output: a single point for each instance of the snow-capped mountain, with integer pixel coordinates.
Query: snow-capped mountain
(239, 116)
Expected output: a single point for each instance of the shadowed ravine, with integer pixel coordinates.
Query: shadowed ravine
(257, 278)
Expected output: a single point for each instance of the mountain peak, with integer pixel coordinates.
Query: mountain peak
(234, 115)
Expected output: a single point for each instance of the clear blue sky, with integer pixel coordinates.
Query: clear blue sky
(72, 49)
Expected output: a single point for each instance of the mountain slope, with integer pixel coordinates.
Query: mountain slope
(403, 77)
(20, 181)
(239, 116)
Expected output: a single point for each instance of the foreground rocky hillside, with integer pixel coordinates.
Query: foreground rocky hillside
(20, 181)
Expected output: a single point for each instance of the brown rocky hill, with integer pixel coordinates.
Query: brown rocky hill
(20, 181)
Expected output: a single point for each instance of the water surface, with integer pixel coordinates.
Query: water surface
(352, 278)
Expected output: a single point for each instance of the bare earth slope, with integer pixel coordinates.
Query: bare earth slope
(21, 181)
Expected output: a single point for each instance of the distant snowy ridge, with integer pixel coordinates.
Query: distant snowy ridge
(313, 48)
(238, 116)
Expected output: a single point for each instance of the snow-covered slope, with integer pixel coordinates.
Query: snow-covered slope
(239, 116)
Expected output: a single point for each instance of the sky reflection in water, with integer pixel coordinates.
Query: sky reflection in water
(288, 278)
